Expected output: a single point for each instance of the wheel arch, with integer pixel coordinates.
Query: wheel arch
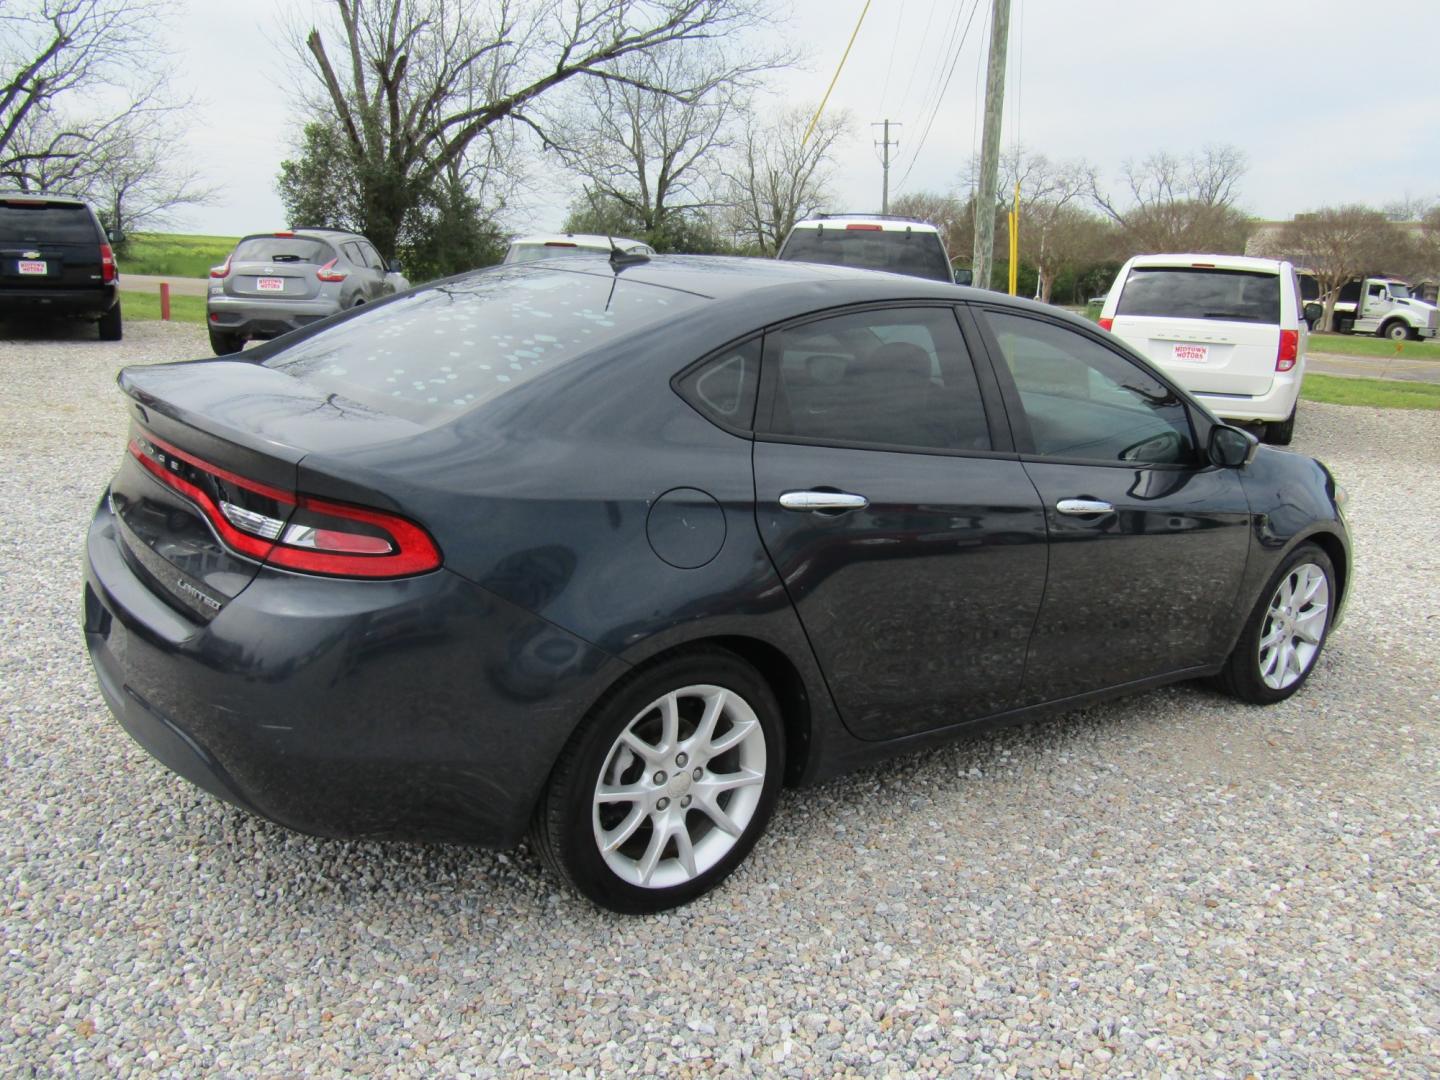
(1334, 547)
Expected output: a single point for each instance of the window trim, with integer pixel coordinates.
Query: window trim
(991, 406)
(1020, 420)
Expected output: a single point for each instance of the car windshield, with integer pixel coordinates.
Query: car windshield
(282, 249)
(439, 351)
(1201, 293)
(918, 254)
(22, 223)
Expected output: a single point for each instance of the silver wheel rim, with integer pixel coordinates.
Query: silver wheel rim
(1294, 626)
(679, 786)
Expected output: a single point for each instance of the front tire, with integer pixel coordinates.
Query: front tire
(1282, 433)
(1286, 630)
(664, 790)
(1395, 331)
(111, 326)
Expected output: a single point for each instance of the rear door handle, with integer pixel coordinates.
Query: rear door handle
(809, 501)
(1083, 506)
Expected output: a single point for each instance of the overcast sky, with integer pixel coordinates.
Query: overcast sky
(1330, 101)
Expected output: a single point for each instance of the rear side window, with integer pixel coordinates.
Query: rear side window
(438, 351)
(282, 249)
(1198, 293)
(21, 223)
(723, 387)
(919, 254)
(888, 377)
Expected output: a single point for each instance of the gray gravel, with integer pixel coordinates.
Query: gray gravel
(1168, 885)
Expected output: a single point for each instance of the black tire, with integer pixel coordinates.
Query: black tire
(224, 344)
(1242, 675)
(1282, 433)
(111, 326)
(1395, 331)
(564, 829)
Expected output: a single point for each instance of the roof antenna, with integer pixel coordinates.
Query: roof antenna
(619, 260)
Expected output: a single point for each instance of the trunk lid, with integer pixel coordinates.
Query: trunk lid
(1207, 355)
(231, 435)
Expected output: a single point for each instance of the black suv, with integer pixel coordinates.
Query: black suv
(55, 260)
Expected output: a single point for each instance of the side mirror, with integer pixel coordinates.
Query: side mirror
(964, 277)
(393, 267)
(1230, 448)
(1313, 311)
(115, 236)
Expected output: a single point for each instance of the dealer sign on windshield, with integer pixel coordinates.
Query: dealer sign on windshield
(1192, 354)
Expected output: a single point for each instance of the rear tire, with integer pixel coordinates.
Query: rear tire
(111, 326)
(1286, 630)
(224, 344)
(1395, 331)
(666, 786)
(1280, 434)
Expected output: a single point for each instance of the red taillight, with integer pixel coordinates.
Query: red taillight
(329, 273)
(285, 235)
(314, 536)
(560, 243)
(865, 228)
(107, 264)
(1106, 323)
(1289, 350)
(223, 270)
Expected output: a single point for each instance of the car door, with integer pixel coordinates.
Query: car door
(378, 285)
(898, 516)
(1148, 541)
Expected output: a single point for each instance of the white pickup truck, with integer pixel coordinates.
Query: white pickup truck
(1384, 307)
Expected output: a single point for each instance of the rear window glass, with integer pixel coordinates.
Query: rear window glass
(280, 249)
(1195, 293)
(438, 351)
(20, 224)
(918, 254)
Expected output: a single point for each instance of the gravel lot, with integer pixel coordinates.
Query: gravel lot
(1162, 886)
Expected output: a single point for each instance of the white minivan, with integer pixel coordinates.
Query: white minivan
(1228, 328)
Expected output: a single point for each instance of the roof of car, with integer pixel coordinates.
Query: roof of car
(588, 239)
(40, 196)
(883, 222)
(1206, 262)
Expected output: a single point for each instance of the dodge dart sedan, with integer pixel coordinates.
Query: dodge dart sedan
(606, 552)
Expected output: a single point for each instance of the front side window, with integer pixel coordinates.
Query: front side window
(1086, 402)
(892, 377)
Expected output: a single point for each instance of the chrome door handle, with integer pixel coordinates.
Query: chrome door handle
(1083, 506)
(808, 501)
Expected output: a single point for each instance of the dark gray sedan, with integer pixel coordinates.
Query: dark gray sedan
(608, 552)
(273, 283)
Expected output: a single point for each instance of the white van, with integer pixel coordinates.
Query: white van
(1228, 328)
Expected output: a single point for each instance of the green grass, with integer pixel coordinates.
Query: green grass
(145, 304)
(1376, 393)
(1357, 345)
(173, 254)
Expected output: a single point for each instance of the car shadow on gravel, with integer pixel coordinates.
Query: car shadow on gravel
(402, 879)
(50, 330)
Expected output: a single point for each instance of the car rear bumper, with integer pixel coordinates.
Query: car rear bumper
(1274, 406)
(56, 303)
(265, 318)
(423, 708)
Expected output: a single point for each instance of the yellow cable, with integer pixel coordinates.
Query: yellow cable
(854, 34)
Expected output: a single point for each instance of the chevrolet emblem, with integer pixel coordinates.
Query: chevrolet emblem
(29, 254)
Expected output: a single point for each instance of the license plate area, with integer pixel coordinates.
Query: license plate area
(270, 284)
(33, 267)
(1185, 353)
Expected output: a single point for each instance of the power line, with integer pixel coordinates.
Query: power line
(941, 97)
(890, 66)
(914, 68)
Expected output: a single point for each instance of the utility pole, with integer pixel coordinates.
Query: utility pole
(990, 145)
(885, 145)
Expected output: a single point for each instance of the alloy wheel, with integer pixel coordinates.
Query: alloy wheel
(1294, 626)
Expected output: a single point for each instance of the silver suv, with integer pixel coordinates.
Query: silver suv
(276, 282)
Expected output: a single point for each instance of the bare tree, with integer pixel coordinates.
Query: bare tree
(1410, 208)
(1180, 203)
(954, 217)
(142, 182)
(414, 83)
(1336, 243)
(777, 177)
(655, 154)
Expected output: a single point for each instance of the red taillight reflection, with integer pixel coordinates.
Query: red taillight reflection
(223, 270)
(323, 537)
(329, 273)
(1289, 352)
(1106, 323)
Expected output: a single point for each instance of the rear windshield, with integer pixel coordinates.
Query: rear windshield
(21, 224)
(438, 351)
(1196, 293)
(918, 254)
(282, 249)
